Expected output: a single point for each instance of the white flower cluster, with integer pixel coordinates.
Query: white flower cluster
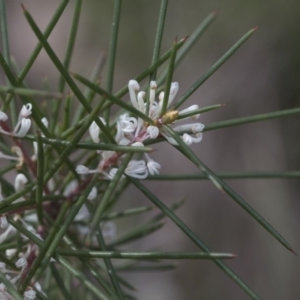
(14, 276)
(22, 262)
(23, 124)
(134, 131)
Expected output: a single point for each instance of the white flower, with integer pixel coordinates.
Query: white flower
(26, 111)
(1, 196)
(45, 122)
(20, 182)
(112, 173)
(109, 231)
(194, 127)
(3, 116)
(24, 125)
(137, 169)
(4, 234)
(153, 131)
(152, 165)
(21, 263)
(191, 109)
(10, 252)
(128, 124)
(133, 86)
(93, 194)
(30, 295)
(35, 151)
(83, 170)
(82, 214)
(167, 136)
(94, 130)
(70, 188)
(173, 92)
(188, 139)
(3, 222)
(153, 87)
(137, 144)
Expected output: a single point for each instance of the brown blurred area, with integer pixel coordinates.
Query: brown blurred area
(263, 76)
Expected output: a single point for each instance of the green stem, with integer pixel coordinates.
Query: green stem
(111, 60)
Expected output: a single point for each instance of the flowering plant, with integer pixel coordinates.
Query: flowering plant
(57, 210)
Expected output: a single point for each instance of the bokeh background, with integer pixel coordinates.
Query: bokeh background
(263, 76)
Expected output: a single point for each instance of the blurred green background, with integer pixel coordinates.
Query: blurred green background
(263, 76)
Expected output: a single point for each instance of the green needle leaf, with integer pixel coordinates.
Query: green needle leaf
(29, 92)
(215, 67)
(220, 184)
(113, 49)
(40, 178)
(192, 236)
(169, 79)
(198, 111)
(65, 74)
(252, 119)
(11, 289)
(147, 255)
(38, 47)
(6, 53)
(90, 146)
(109, 192)
(47, 243)
(60, 282)
(189, 43)
(228, 175)
(110, 269)
(112, 98)
(159, 34)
